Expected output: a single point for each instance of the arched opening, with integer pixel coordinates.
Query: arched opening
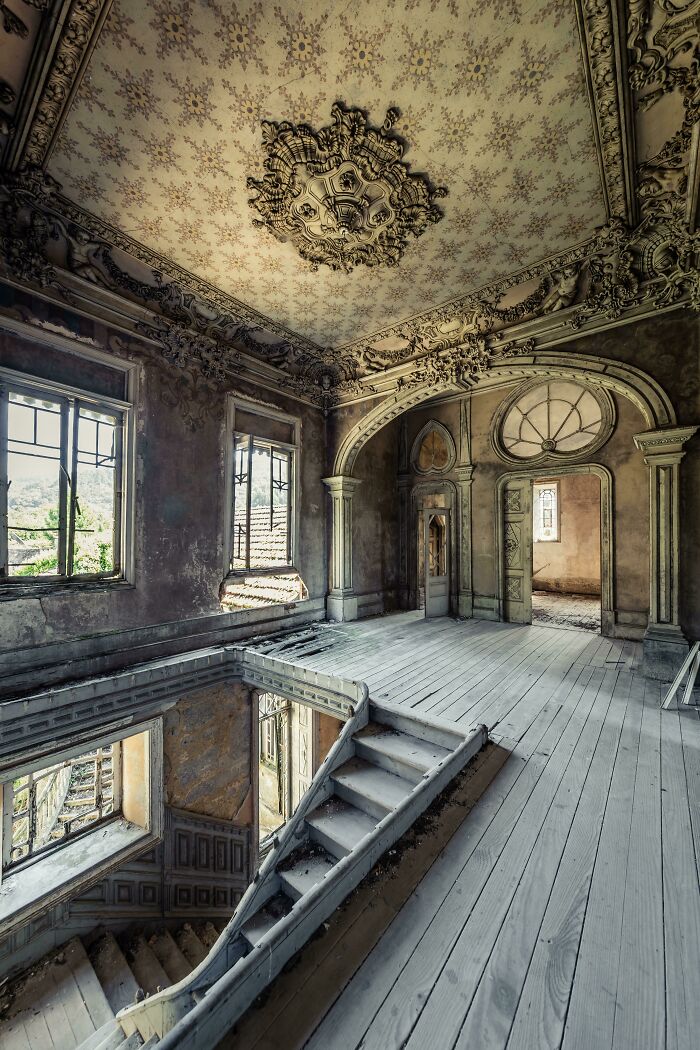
(631, 403)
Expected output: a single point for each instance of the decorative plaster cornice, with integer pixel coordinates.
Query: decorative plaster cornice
(603, 56)
(667, 442)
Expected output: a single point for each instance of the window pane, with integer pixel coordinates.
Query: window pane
(545, 513)
(240, 502)
(95, 519)
(61, 800)
(268, 515)
(33, 492)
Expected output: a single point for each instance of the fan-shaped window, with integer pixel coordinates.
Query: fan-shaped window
(558, 419)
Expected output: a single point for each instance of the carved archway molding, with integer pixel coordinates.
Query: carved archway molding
(627, 380)
(607, 542)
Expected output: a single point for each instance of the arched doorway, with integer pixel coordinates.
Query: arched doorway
(514, 516)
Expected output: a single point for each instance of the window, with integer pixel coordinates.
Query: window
(545, 512)
(61, 484)
(262, 504)
(98, 805)
(45, 807)
(557, 420)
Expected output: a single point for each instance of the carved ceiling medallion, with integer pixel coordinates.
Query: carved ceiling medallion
(342, 195)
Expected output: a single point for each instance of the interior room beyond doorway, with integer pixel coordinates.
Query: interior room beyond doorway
(566, 570)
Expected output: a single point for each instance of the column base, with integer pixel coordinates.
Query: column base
(341, 607)
(665, 648)
(465, 605)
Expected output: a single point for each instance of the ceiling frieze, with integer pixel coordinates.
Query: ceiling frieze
(642, 67)
(343, 196)
(37, 94)
(603, 51)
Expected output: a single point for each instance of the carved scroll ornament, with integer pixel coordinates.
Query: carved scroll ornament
(343, 196)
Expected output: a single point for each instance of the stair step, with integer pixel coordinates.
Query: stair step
(408, 756)
(307, 869)
(432, 730)
(207, 933)
(190, 945)
(275, 909)
(112, 969)
(370, 788)
(88, 983)
(169, 955)
(144, 964)
(109, 1037)
(338, 826)
(47, 1010)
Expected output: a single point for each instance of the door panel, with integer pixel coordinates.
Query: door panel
(517, 551)
(436, 532)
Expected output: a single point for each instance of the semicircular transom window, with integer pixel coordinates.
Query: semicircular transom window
(551, 419)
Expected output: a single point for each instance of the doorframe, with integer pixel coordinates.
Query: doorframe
(448, 490)
(607, 545)
(446, 511)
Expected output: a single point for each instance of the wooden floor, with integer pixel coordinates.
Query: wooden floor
(564, 911)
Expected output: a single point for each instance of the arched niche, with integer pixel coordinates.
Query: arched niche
(433, 451)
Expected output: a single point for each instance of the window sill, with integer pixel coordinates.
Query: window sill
(67, 871)
(44, 588)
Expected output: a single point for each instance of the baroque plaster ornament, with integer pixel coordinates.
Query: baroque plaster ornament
(343, 195)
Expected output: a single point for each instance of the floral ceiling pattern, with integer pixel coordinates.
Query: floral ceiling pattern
(166, 129)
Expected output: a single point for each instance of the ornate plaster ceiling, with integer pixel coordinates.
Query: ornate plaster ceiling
(166, 128)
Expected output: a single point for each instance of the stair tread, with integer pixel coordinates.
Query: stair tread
(402, 747)
(341, 821)
(49, 1006)
(190, 945)
(307, 870)
(144, 965)
(169, 955)
(88, 982)
(268, 916)
(109, 1036)
(384, 788)
(115, 976)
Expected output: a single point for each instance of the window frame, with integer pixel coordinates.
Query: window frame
(12, 381)
(8, 816)
(536, 486)
(265, 412)
(30, 885)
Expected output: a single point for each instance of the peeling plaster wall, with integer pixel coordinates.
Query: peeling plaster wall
(179, 504)
(375, 520)
(667, 349)
(207, 754)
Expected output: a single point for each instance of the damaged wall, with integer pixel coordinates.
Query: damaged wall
(179, 509)
(376, 523)
(207, 753)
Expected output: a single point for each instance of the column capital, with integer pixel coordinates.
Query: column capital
(465, 472)
(342, 483)
(664, 445)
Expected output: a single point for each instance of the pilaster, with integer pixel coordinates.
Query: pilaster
(341, 603)
(665, 645)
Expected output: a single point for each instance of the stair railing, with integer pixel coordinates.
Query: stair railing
(161, 1012)
(690, 666)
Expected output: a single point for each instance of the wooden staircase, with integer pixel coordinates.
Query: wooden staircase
(71, 998)
(186, 990)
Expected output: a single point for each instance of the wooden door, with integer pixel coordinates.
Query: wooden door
(517, 551)
(436, 533)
